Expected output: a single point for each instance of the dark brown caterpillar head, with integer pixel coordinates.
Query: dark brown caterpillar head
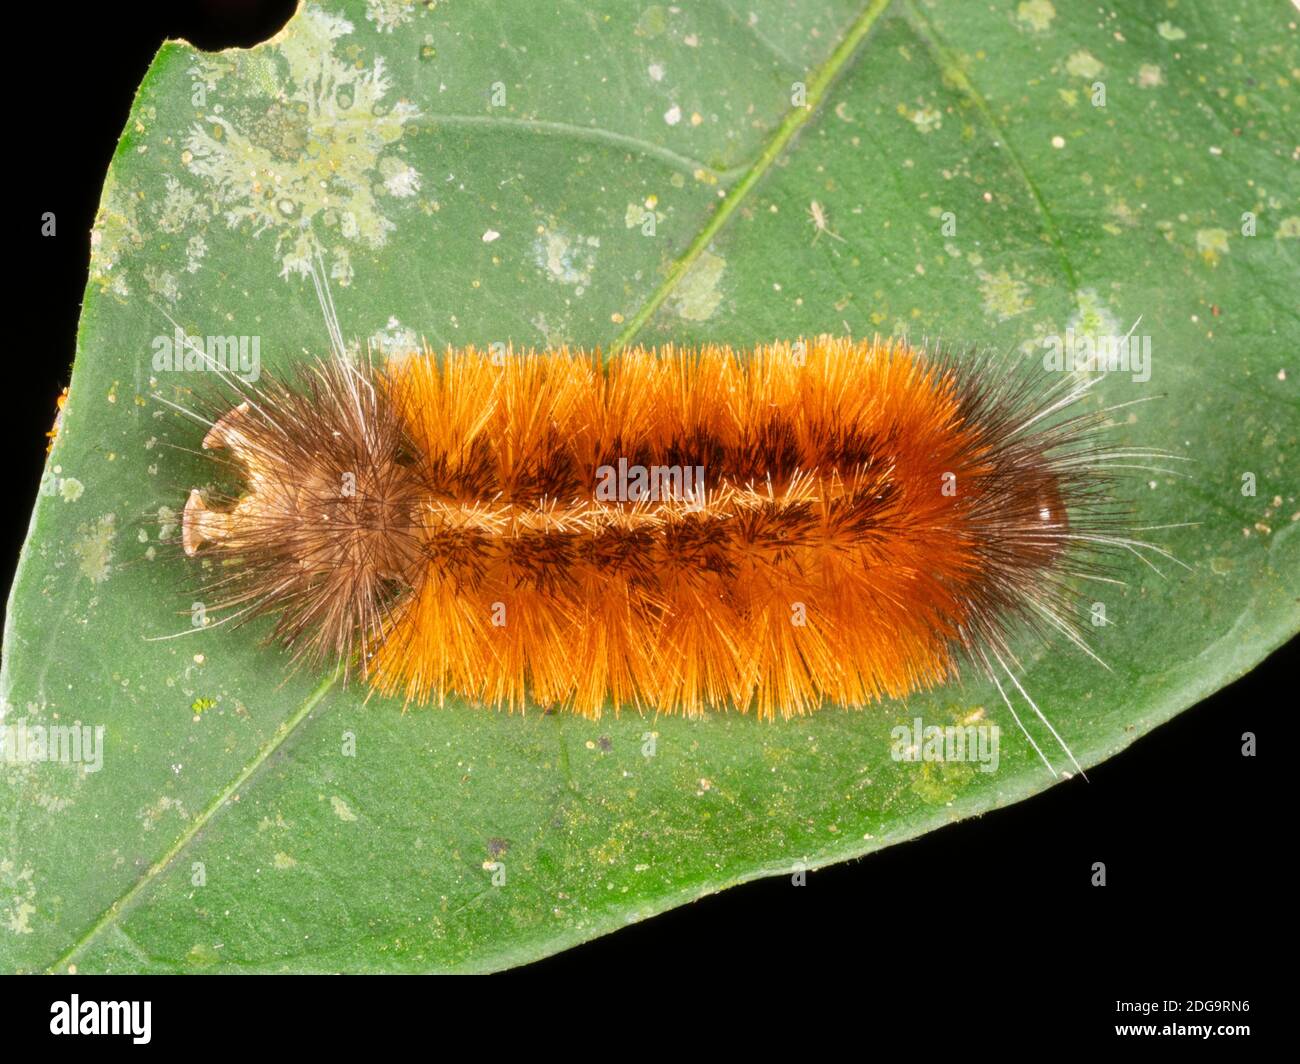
(323, 529)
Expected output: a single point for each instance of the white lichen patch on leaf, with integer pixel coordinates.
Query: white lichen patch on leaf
(93, 548)
(181, 210)
(45, 784)
(700, 291)
(151, 814)
(1212, 244)
(17, 898)
(387, 15)
(162, 283)
(395, 340)
(553, 335)
(1036, 14)
(1004, 296)
(1083, 64)
(341, 267)
(116, 230)
(926, 118)
(566, 259)
(341, 809)
(1039, 334)
(1150, 76)
(305, 161)
(1123, 214)
(1094, 320)
(400, 179)
(167, 523)
(195, 248)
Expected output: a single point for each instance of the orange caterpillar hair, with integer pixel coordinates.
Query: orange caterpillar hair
(679, 530)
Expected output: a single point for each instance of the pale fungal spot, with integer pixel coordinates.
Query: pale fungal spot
(1058, 141)
(657, 71)
(1150, 76)
(567, 260)
(341, 809)
(1092, 317)
(490, 235)
(1123, 214)
(116, 232)
(926, 119)
(1036, 14)
(17, 898)
(395, 341)
(1004, 295)
(400, 179)
(1212, 244)
(195, 248)
(673, 115)
(283, 862)
(166, 523)
(1083, 64)
(699, 293)
(181, 210)
(154, 812)
(387, 15)
(94, 548)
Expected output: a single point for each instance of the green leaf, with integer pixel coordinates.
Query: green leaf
(469, 180)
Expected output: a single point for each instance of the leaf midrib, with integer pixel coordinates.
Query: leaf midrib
(287, 727)
(815, 92)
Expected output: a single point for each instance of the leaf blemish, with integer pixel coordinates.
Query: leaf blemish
(94, 548)
(332, 186)
(341, 809)
(700, 291)
(566, 260)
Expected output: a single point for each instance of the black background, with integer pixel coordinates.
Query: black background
(997, 913)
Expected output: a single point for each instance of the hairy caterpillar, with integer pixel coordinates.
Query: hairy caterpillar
(828, 520)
